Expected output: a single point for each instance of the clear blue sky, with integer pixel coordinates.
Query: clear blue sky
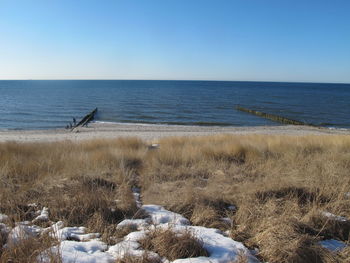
(277, 40)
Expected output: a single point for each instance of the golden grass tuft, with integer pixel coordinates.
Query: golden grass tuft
(172, 245)
(144, 259)
(279, 242)
(30, 250)
(329, 227)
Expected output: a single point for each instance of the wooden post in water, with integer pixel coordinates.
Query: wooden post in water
(272, 117)
(84, 121)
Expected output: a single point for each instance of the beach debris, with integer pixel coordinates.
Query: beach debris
(273, 117)
(153, 146)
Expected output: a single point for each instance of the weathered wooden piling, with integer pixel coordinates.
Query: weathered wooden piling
(272, 117)
(87, 118)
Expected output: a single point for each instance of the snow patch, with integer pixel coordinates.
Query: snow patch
(137, 196)
(138, 223)
(3, 217)
(232, 208)
(72, 233)
(334, 217)
(221, 249)
(4, 229)
(43, 215)
(159, 215)
(131, 247)
(79, 252)
(80, 247)
(227, 220)
(23, 231)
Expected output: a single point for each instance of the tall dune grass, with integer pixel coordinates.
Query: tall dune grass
(273, 188)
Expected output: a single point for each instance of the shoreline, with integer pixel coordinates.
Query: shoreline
(153, 132)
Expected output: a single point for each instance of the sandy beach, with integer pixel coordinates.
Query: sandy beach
(154, 132)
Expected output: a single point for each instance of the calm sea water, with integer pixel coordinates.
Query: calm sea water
(52, 104)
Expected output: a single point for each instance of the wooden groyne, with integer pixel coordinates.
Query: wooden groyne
(272, 117)
(84, 121)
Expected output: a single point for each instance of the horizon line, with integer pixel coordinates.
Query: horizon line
(209, 80)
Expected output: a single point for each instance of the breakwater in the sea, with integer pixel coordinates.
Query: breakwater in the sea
(53, 104)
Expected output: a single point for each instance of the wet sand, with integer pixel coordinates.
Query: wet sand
(153, 132)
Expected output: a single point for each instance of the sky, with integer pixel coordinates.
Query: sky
(247, 40)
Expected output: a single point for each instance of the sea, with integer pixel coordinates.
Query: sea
(52, 104)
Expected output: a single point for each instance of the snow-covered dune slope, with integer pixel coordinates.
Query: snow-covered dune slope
(75, 245)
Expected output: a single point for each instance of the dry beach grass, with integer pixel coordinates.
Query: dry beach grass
(171, 245)
(274, 188)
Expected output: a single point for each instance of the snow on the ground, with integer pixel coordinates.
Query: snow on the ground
(137, 196)
(159, 215)
(73, 233)
(226, 220)
(43, 215)
(78, 246)
(134, 222)
(3, 217)
(220, 248)
(131, 247)
(76, 252)
(232, 208)
(347, 195)
(332, 244)
(334, 217)
(4, 229)
(23, 231)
